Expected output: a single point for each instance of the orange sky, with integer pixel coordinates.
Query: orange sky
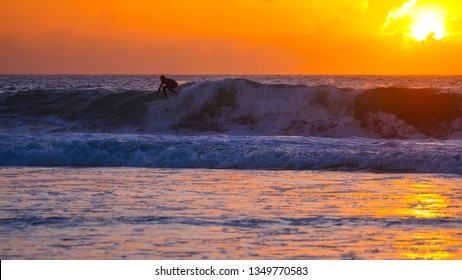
(227, 37)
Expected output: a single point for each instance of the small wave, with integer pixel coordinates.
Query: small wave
(332, 221)
(232, 152)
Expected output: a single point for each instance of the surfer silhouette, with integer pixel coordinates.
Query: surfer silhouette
(167, 84)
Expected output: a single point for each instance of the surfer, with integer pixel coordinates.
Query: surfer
(167, 83)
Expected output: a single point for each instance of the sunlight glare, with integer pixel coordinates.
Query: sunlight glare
(428, 23)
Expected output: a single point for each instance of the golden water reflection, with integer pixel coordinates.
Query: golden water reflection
(425, 205)
(231, 214)
(433, 245)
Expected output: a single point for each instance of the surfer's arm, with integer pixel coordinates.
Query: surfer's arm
(161, 84)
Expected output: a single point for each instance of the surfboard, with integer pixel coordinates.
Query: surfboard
(154, 102)
(160, 97)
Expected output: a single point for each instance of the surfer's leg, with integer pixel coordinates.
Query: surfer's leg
(164, 89)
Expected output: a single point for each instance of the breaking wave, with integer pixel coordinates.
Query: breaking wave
(232, 152)
(242, 107)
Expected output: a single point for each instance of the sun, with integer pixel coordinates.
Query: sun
(428, 24)
(417, 21)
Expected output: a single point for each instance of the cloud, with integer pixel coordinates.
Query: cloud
(398, 13)
(351, 45)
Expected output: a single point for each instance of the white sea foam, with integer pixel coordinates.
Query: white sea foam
(232, 152)
(232, 123)
(239, 106)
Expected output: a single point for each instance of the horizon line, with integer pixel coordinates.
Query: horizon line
(210, 74)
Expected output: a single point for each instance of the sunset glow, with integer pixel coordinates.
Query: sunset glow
(231, 37)
(427, 25)
(429, 21)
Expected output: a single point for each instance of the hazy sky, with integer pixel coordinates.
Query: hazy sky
(231, 36)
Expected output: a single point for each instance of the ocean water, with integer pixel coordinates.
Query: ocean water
(253, 167)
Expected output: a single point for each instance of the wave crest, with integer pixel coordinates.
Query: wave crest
(240, 106)
(231, 152)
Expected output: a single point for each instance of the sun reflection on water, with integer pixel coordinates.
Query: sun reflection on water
(425, 206)
(426, 201)
(229, 214)
(423, 201)
(426, 246)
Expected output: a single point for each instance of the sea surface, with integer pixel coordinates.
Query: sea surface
(231, 167)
